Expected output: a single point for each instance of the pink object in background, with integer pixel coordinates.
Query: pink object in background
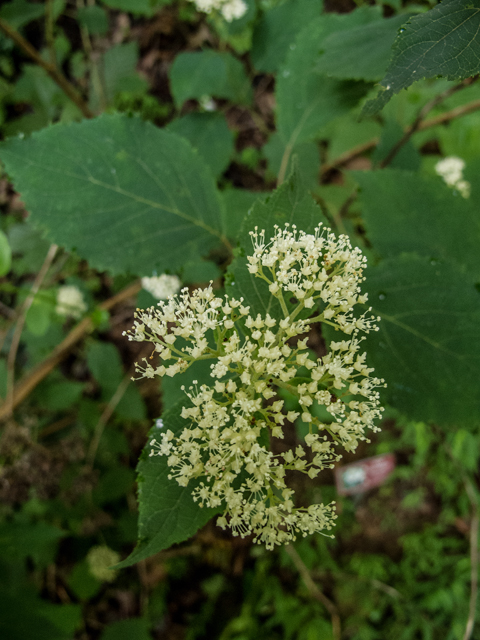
(363, 475)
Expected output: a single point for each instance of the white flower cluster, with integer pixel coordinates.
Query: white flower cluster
(451, 170)
(70, 302)
(232, 423)
(99, 561)
(230, 9)
(162, 287)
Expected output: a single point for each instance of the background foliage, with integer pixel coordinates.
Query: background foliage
(142, 137)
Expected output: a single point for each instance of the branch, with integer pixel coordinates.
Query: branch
(472, 608)
(420, 117)
(474, 556)
(105, 417)
(315, 591)
(17, 334)
(360, 149)
(52, 70)
(41, 371)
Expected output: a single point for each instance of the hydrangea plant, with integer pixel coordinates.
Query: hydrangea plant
(235, 422)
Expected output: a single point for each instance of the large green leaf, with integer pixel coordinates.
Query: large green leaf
(307, 100)
(195, 74)
(444, 41)
(307, 156)
(168, 513)
(407, 212)
(209, 134)
(428, 346)
(133, 6)
(24, 615)
(289, 203)
(127, 196)
(237, 203)
(361, 52)
(276, 31)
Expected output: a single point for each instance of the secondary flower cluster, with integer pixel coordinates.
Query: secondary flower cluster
(451, 170)
(231, 423)
(70, 302)
(162, 287)
(230, 9)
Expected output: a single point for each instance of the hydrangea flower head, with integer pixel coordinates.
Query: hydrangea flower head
(230, 9)
(162, 287)
(70, 302)
(235, 425)
(451, 170)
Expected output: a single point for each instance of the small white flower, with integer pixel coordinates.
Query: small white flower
(70, 302)
(162, 287)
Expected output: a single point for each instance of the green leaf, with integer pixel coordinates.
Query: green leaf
(407, 157)
(237, 203)
(172, 392)
(201, 271)
(61, 395)
(168, 513)
(126, 195)
(119, 70)
(131, 405)
(208, 73)
(37, 540)
(27, 616)
(82, 583)
(361, 52)
(113, 484)
(39, 316)
(5, 254)
(276, 31)
(428, 346)
(307, 101)
(132, 6)
(289, 203)
(19, 12)
(407, 212)
(209, 134)
(104, 362)
(137, 628)
(444, 41)
(28, 242)
(307, 154)
(93, 18)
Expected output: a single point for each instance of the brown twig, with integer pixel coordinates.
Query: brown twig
(413, 128)
(49, 37)
(52, 70)
(17, 334)
(315, 591)
(474, 555)
(360, 149)
(38, 373)
(105, 417)
(472, 608)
